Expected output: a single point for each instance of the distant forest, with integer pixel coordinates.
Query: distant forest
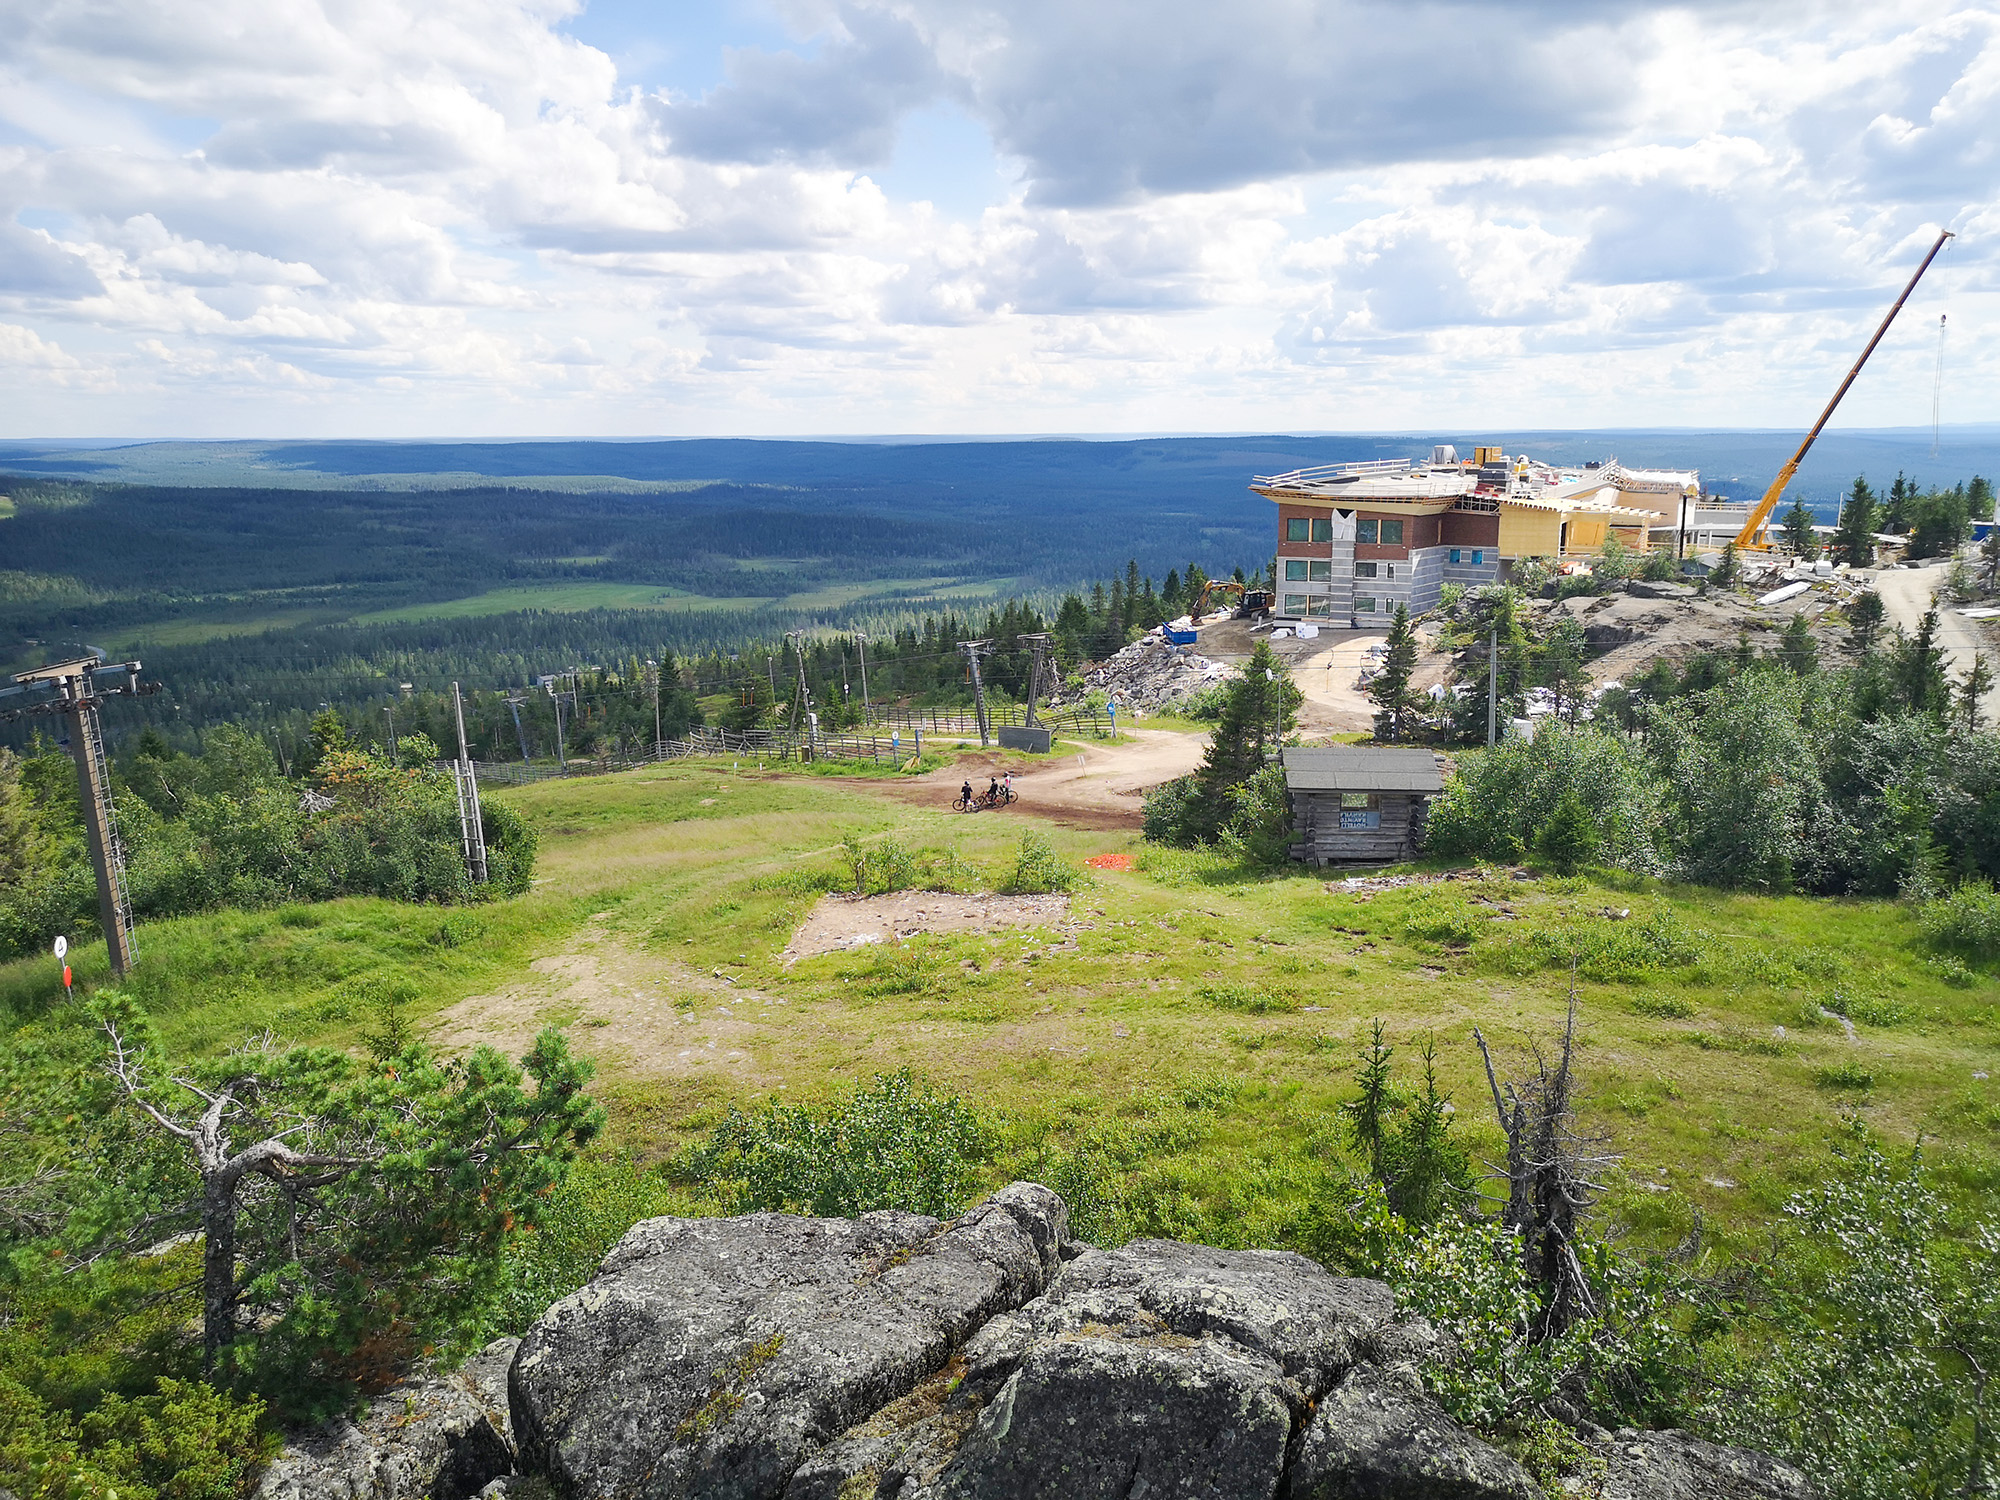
(253, 604)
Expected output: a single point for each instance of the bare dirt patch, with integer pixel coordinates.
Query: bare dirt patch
(1098, 786)
(839, 924)
(625, 1009)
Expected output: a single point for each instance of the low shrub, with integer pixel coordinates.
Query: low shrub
(895, 1142)
(1664, 1007)
(1246, 1001)
(1967, 920)
(1845, 1076)
(1039, 870)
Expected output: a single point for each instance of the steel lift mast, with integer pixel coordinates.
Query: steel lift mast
(1747, 537)
(75, 689)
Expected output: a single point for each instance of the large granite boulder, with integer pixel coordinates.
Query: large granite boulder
(897, 1357)
(1158, 1369)
(1680, 1466)
(712, 1356)
(431, 1438)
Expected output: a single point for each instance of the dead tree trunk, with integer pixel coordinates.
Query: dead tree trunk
(1549, 1187)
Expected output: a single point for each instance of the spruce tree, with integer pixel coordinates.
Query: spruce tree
(1799, 535)
(1170, 595)
(1391, 688)
(1729, 569)
(1854, 542)
(1258, 712)
(1864, 618)
(1919, 669)
(1797, 650)
(1976, 682)
(1896, 515)
(1979, 499)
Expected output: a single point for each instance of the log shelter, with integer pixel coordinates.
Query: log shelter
(1352, 805)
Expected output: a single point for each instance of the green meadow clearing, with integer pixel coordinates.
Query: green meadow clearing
(1172, 1055)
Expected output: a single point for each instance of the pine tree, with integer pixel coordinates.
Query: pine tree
(1854, 541)
(1170, 595)
(1560, 660)
(1989, 561)
(1391, 688)
(1131, 614)
(1799, 535)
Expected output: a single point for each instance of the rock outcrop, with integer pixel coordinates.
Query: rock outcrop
(895, 1357)
(443, 1437)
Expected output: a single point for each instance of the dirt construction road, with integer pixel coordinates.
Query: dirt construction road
(1098, 786)
(1906, 594)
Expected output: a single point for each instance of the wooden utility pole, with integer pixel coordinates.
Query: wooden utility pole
(472, 829)
(75, 689)
(861, 644)
(1038, 659)
(973, 651)
(653, 671)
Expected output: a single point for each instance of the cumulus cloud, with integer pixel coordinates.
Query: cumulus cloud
(1270, 214)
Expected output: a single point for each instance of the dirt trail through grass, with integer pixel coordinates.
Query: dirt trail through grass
(1099, 786)
(628, 1010)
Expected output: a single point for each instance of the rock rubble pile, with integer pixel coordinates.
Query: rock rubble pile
(1152, 674)
(895, 1357)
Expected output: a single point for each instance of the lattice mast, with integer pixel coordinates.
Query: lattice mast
(78, 692)
(472, 830)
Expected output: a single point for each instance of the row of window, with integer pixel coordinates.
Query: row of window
(1312, 606)
(1320, 529)
(1478, 556)
(1305, 570)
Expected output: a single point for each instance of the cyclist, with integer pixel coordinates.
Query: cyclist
(1008, 782)
(993, 789)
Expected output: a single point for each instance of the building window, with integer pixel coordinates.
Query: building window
(1364, 570)
(1295, 604)
(1295, 570)
(1392, 533)
(1322, 528)
(1454, 556)
(1478, 557)
(1351, 800)
(1319, 606)
(1364, 532)
(1364, 606)
(1321, 572)
(1391, 571)
(1297, 529)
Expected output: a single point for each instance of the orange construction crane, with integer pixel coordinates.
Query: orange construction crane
(1747, 537)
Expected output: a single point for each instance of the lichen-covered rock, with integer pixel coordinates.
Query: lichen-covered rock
(1377, 1436)
(1157, 1369)
(712, 1356)
(1680, 1466)
(441, 1437)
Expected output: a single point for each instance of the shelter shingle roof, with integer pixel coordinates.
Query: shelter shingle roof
(1346, 768)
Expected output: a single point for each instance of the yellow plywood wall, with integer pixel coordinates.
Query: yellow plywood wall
(1529, 533)
(1586, 532)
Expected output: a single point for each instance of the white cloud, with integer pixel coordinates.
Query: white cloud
(380, 215)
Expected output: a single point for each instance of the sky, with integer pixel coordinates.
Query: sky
(507, 218)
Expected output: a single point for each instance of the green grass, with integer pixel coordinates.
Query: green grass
(1184, 971)
(558, 596)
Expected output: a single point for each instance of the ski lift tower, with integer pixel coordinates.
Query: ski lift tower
(75, 689)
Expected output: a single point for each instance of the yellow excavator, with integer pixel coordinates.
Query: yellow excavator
(1748, 537)
(1248, 603)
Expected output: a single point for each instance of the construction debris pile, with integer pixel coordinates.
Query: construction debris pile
(1151, 675)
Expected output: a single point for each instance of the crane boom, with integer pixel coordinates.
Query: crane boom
(1747, 537)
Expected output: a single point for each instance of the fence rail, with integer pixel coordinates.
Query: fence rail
(893, 738)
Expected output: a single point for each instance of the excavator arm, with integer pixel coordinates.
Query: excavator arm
(1747, 537)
